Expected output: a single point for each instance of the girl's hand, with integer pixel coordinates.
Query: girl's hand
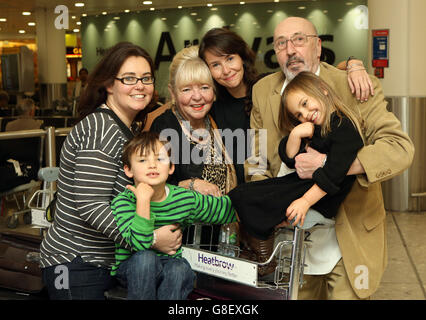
(142, 192)
(359, 81)
(297, 210)
(304, 130)
(206, 188)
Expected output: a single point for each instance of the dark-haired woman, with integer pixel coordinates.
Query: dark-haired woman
(78, 250)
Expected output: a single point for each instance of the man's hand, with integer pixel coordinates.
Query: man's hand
(169, 239)
(307, 163)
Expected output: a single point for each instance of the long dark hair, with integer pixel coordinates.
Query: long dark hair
(104, 74)
(221, 41)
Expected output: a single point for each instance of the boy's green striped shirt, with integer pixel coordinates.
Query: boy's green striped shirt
(181, 206)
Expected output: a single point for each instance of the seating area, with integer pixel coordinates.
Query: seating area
(22, 154)
(56, 121)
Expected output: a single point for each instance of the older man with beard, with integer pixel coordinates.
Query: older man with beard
(346, 261)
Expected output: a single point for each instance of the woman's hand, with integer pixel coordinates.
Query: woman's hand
(169, 239)
(359, 81)
(297, 210)
(207, 188)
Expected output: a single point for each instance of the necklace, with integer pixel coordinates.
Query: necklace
(195, 135)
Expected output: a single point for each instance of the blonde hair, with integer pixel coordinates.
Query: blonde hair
(188, 68)
(315, 87)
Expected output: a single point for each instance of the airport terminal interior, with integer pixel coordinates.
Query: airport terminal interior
(47, 48)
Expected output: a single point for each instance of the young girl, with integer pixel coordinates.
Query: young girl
(314, 116)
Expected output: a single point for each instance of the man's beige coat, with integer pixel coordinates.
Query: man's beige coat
(360, 222)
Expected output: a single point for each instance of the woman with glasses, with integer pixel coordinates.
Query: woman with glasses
(78, 250)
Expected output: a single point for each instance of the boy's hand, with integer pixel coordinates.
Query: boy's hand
(142, 192)
(297, 210)
(304, 130)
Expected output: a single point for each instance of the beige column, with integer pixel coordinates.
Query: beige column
(51, 51)
(404, 86)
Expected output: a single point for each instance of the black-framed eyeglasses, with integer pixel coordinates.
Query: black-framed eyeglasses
(298, 40)
(131, 80)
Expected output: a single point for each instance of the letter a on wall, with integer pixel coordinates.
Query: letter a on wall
(159, 57)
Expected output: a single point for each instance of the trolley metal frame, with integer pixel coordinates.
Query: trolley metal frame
(244, 282)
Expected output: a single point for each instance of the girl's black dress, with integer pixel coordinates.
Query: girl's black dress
(261, 205)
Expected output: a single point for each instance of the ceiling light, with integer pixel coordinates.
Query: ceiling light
(242, 2)
(31, 24)
(3, 19)
(209, 5)
(73, 17)
(213, 9)
(79, 4)
(26, 13)
(164, 19)
(84, 15)
(104, 13)
(147, 2)
(301, 8)
(193, 13)
(325, 11)
(116, 18)
(127, 11)
(349, 3)
(276, 0)
(152, 9)
(78, 23)
(21, 31)
(76, 30)
(179, 7)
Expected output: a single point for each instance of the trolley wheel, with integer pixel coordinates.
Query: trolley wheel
(27, 218)
(12, 221)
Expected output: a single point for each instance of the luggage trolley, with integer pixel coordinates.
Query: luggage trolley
(225, 277)
(41, 199)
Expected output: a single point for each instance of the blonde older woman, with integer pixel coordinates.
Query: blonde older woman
(201, 162)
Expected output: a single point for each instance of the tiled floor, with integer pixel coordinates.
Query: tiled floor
(405, 276)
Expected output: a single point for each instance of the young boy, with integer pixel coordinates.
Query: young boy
(148, 205)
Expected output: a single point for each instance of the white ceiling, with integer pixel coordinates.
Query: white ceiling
(12, 10)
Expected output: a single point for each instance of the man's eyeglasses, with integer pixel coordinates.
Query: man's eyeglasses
(130, 80)
(298, 40)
